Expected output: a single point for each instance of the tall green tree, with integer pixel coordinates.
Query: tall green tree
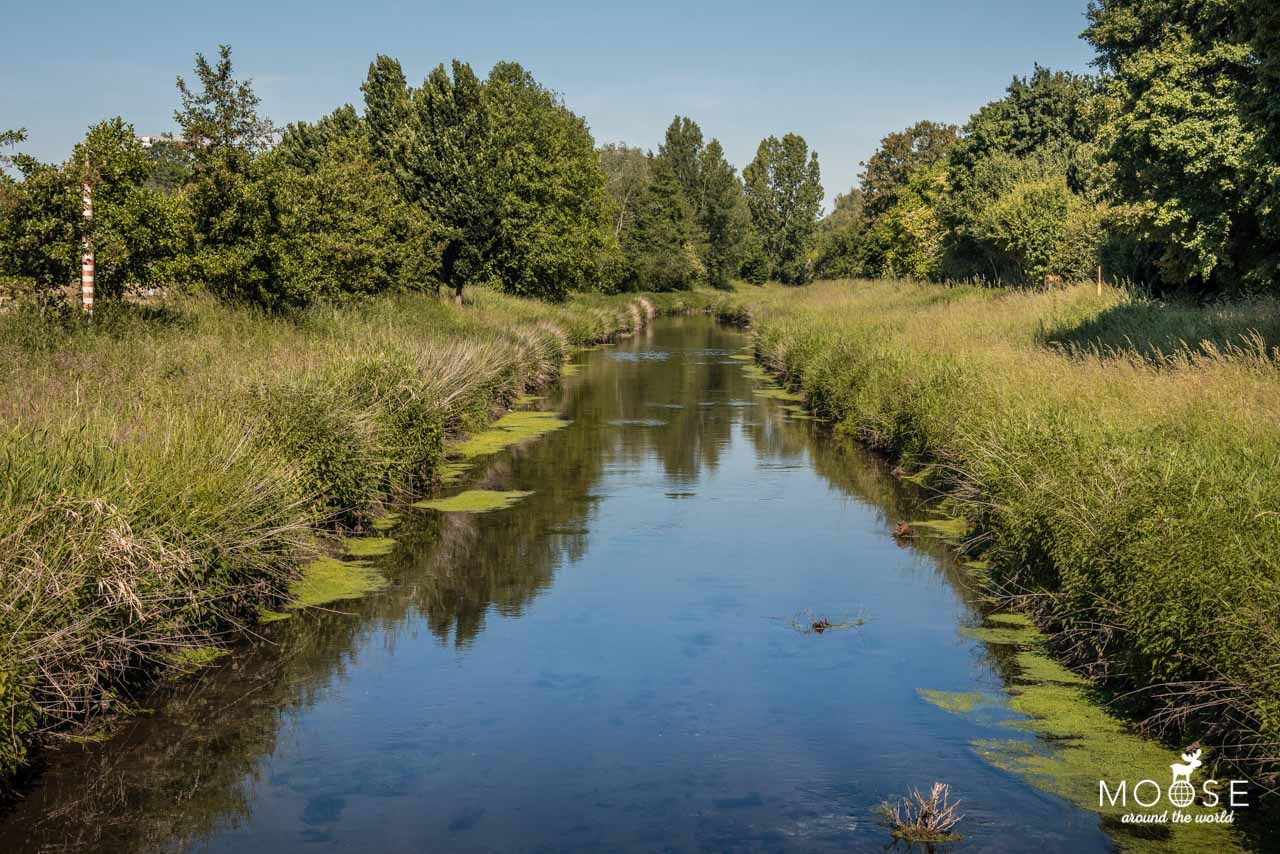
(899, 155)
(658, 247)
(219, 119)
(439, 144)
(1194, 137)
(681, 148)
(784, 195)
(722, 215)
(551, 229)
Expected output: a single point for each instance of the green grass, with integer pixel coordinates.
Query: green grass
(166, 470)
(1118, 461)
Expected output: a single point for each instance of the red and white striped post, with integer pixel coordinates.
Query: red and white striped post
(86, 261)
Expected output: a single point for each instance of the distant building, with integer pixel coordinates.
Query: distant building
(151, 139)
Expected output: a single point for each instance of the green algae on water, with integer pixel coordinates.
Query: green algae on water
(1080, 743)
(387, 521)
(196, 657)
(945, 529)
(744, 357)
(267, 616)
(778, 393)
(474, 501)
(508, 430)
(327, 579)
(368, 546)
(956, 702)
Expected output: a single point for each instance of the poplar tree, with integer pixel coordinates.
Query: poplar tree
(784, 195)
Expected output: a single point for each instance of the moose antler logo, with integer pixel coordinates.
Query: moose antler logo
(1183, 772)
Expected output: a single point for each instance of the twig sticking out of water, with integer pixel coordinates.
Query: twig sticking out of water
(924, 818)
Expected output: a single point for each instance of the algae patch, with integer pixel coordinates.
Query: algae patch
(1079, 742)
(474, 501)
(368, 546)
(328, 580)
(508, 430)
(956, 702)
(946, 529)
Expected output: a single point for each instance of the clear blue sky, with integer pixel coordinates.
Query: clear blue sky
(842, 74)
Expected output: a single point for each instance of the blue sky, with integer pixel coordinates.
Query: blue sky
(842, 74)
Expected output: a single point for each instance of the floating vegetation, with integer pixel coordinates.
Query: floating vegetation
(387, 521)
(570, 369)
(368, 546)
(680, 494)
(508, 430)
(744, 357)
(956, 702)
(806, 622)
(196, 657)
(452, 472)
(266, 616)
(637, 422)
(778, 394)
(474, 501)
(328, 580)
(526, 399)
(947, 529)
(1080, 742)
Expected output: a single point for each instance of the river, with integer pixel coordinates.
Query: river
(623, 660)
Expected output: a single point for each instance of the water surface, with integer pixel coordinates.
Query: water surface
(612, 664)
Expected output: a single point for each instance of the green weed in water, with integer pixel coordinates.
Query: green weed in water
(327, 580)
(474, 501)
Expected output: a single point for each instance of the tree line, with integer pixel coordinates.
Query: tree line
(1162, 169)
(457, 181)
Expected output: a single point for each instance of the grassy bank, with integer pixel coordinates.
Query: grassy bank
(166, 471)
(1118, 463)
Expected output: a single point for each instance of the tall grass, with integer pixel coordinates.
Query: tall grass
(1120, 461)
(163, 472)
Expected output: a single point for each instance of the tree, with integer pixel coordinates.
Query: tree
(626, 172)
(439, 146)
(1039, 134)
(784, 196)
(341, 227)
(136, 231)
(550, 229)
(899, 155)
(907, 240)
(682, 150)
(723, 215)
(658, 248)
(222, 117)
(1194, 136)
(230, 216)
(841, 238)
(40, 222)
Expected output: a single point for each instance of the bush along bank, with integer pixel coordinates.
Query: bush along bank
(167, 472)
(1115, 464)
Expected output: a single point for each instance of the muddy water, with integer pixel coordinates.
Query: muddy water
(619, 661)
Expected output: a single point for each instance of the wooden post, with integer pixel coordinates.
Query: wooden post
(86, 261)
(1099, 280)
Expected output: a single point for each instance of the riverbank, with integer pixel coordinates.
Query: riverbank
(169, 470)
(1115, 463)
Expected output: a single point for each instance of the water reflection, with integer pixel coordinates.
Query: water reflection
(606, 666)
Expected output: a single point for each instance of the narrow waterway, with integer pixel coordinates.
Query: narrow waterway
(620, 661)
